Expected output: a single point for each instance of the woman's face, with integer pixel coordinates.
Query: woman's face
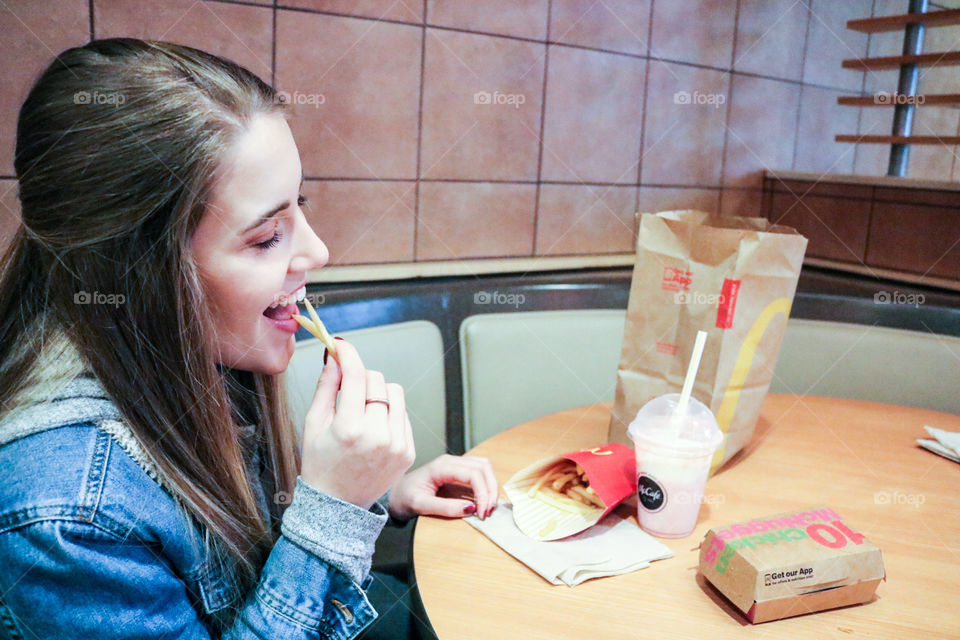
(253, 248)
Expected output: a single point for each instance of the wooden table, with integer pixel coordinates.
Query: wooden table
(860, 458)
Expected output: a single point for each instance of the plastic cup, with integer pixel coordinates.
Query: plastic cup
(673, 461)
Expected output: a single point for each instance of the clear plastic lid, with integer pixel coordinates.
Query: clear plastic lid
(695, 433)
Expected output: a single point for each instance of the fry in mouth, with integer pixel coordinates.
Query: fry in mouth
(315, 327)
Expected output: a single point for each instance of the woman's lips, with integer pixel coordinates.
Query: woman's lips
(282, 317)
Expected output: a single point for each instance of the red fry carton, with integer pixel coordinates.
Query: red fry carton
(791, 563)
(610, 470)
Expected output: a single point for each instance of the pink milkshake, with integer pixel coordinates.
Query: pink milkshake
(674, 449)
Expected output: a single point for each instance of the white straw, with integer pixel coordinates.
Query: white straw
(681, 409)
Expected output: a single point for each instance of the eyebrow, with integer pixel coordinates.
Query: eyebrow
(269, 214)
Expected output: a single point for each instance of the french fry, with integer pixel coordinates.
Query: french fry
(564, 503)
(564, 485)
(315, 327)
(562, 480)
(588, 498)
(546, 474)
(313, 315)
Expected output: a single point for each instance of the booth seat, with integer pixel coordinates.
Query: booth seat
(520, 366)
(869, 362)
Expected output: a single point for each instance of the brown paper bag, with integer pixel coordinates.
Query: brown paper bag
(732, 277)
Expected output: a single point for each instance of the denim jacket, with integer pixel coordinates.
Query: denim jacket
(92, 545)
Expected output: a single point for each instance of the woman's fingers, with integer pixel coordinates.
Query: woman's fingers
(401, 436)
(469, 472)
(446, 507)
(376, 389)
(353, 384)
(491, 478)
(325, 396)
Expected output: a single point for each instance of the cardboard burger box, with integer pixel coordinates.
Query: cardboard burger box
(791, 564)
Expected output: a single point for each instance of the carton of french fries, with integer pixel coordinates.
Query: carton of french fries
(557, 497)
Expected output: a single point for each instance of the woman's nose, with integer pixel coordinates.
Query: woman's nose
(309, 251)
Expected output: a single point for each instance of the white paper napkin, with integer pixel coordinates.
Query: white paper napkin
(947, 443)
(611, 547)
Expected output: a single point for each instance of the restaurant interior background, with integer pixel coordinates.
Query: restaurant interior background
(456, 147)
(420, 123)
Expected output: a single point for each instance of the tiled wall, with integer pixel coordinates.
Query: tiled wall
(449, 129)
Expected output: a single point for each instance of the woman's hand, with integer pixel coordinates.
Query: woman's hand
(357, 451)
(416, 493)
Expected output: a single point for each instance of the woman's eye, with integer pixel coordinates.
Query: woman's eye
(301, 200)
(272, 242)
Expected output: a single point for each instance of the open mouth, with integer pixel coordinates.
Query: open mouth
(285, 306)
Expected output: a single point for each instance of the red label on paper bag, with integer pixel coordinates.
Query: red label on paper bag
(676, 279)
(728, 303)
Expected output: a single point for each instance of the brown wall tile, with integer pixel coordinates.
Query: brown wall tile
(760, 134)
(617, 25)
(593, 116)
(240, 33)
(654, 199)
(402, 10)
(934, 252)
(677, 34)
(770, 37)
(459, 220)
(523, 18)
(933, 162)
(942, 79)
(369, 76)
(741, 202)
(685, 124)
(821, 118)
(829, 43)
(362, 222)
(576, 219)
(481, 107)
(9, 212)
(889, 43)
(357, 114)
(873, 159)
(31, 41)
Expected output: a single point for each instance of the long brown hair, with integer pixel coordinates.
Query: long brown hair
(119, 145)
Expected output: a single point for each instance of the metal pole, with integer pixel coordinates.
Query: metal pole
(906, 89)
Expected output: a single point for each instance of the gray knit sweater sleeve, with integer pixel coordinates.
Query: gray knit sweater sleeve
(340, 533)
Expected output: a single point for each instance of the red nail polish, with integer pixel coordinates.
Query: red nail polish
(325, 354)
(337, 338)
(470, 508)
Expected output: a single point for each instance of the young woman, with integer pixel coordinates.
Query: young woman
(143, 430)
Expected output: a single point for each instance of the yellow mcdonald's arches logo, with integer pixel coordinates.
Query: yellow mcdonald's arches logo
(731, 396)
(599, 451)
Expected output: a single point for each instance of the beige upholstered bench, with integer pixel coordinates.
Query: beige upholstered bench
(896, 366)
(408, 353)
(519, 366)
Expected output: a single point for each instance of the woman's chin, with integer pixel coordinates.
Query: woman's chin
(272, 360)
